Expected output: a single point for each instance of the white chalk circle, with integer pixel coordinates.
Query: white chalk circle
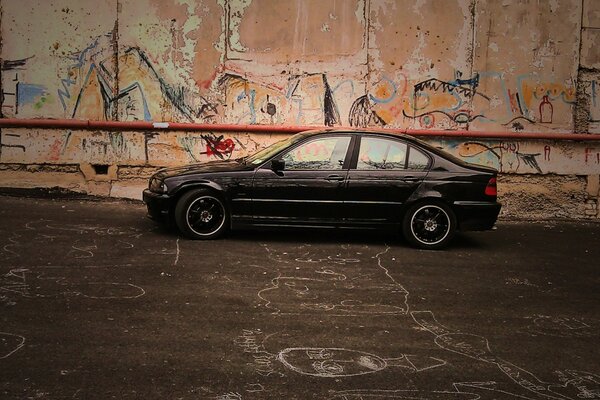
(330, 362)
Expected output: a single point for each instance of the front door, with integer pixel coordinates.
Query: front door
(308, 190)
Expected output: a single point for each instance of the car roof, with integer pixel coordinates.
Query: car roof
(413, 140)
(366, 132)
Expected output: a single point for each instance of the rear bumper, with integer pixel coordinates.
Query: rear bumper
(476, 215)
(158, 205)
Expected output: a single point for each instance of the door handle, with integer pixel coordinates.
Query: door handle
(410, 179)
(334, 178)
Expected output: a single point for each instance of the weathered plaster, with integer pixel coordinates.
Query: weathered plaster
(542, 197)
(525, 51)
(275, 34)
(480, 65)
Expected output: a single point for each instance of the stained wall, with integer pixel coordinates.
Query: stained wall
(477, 65)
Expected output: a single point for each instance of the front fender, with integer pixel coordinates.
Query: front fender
(203, 183)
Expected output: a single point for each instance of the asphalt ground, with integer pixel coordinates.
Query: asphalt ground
(98, 302)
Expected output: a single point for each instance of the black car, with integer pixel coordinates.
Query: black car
(331, 178)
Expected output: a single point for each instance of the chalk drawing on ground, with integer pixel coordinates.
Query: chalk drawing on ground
(79, 242)
(323, 362)
(10, 344)
(47, 282)
(229, 396)
(252, 342)
(335, 296)
(477, 348)
(566, 327)
(383, 394)
(340, 362)
(331, 284)
(580, 382)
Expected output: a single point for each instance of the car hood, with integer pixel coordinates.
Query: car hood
(213, 166)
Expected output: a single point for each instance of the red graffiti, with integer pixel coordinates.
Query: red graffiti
(514, 102)
(510, 147)
(217, 147)
(55, 150)
(547, 150)
(546, 111)
(591, 154)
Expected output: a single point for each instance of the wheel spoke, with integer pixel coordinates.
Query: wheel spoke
(205, 215)
(430, 224)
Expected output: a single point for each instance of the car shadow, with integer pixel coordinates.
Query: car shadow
(314, 236)
(359, 237)
(323, 236)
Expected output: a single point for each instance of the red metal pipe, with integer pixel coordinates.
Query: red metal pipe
(177, 126)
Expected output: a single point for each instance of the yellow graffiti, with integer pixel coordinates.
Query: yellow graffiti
(534, 91)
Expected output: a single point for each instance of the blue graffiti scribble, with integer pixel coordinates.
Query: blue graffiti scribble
(390, 97)
(132, 87)
(473, 82)
(67, 82)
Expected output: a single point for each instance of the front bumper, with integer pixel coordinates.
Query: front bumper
(476, 215)
(158, 205)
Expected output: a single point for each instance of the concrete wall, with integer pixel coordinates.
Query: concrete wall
(478, 65)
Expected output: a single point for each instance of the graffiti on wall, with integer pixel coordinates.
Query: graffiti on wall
(454, 104)
(93, 89)
(505, 156)
(109, 81)
(174, 148)
(17, 95)
(307, 99)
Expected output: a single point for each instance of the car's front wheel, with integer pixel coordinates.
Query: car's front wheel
(201, 214)
(429, 225)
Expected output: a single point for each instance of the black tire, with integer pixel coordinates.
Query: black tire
(201, 214)
(429, 225)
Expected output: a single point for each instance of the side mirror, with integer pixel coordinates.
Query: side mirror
(277, 165)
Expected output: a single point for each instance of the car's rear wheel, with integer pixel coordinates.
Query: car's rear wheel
(429, 225)
(201, 214)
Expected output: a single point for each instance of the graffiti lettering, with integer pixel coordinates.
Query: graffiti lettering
(592, 155)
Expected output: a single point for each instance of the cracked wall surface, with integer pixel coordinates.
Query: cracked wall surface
(478, 65)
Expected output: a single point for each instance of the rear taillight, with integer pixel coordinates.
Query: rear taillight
(491, 189)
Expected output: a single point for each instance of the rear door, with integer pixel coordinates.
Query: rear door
(308, 191)
(385, 172)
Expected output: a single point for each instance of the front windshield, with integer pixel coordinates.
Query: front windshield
(268, 152)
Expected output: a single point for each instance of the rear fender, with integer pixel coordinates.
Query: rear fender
(423, 193)
(424, 197)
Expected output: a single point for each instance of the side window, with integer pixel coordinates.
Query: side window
(318, 154)
(417, 160)
(378, 153)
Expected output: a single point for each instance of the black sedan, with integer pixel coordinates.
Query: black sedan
(328, 179)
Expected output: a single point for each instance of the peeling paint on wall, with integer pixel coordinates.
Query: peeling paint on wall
(455, 65)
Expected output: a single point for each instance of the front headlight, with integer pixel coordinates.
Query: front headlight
(157, 185)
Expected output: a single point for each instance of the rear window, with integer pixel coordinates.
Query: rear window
(417, 160)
